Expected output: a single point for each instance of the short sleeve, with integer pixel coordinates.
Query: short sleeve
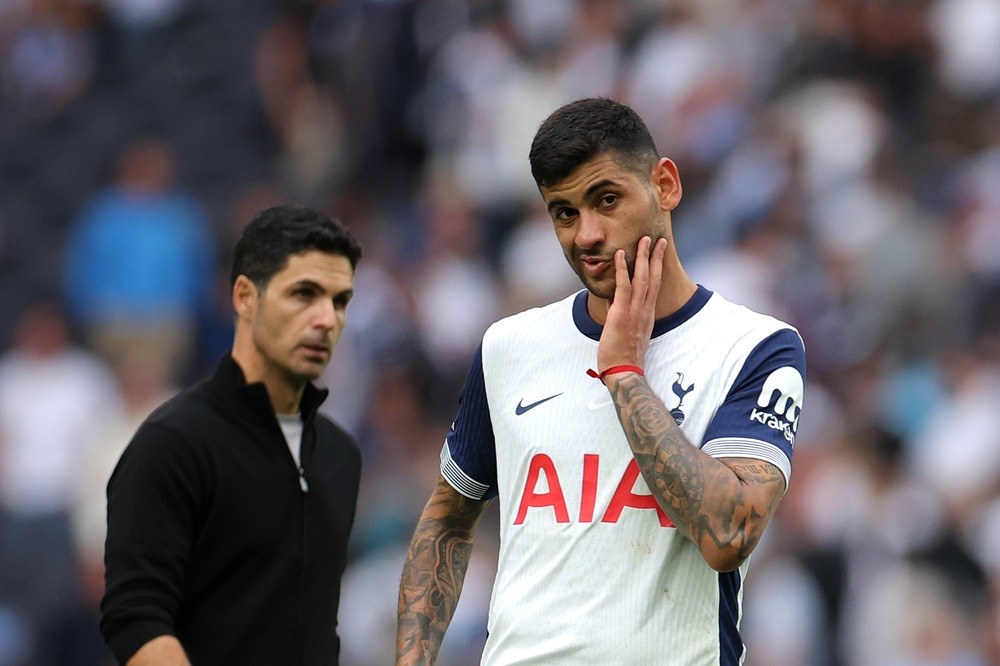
(468, 458)
(760, 414)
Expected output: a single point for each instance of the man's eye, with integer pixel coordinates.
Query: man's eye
(609, 200)
(564, 214)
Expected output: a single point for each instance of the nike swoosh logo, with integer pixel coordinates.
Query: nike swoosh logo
(594, 404)
(521, 409)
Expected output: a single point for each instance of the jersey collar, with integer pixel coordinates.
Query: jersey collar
(590, 328)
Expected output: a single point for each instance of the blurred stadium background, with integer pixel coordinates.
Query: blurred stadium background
(841, 168)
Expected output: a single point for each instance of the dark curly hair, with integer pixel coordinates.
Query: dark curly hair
(580, 130)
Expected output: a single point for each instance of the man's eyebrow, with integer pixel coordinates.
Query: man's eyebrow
(588, 193)
(555, 203)
(315, 286)
(599, 185)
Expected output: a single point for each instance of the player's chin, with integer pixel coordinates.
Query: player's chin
(604, 289)
(602, 286)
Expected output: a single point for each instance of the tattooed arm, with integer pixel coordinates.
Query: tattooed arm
(434, 572)
(721, 505)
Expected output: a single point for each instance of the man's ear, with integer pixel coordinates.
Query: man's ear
(244, 297)
(668, 183)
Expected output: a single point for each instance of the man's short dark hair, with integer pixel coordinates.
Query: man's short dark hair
(277, 233)
(580, 130)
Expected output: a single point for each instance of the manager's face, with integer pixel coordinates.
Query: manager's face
(299, 316)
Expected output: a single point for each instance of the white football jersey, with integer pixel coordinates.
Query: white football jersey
(591, 570)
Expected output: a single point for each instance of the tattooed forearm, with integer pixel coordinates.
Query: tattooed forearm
(721, 506)
(741, 537)
(433, 573)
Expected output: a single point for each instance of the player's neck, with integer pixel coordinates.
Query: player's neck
(675, 291)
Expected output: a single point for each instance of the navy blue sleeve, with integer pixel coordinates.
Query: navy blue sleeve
(468, 459)
(760, 415)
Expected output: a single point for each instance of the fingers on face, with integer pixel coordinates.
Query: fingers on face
(645, 268)
(623, 285)
(640, 279)
(656, 268)
(648, 271)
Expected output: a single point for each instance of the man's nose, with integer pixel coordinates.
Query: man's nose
(590, 231)
(326, 316)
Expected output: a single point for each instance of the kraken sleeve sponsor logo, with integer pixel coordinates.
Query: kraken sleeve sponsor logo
(781, 402)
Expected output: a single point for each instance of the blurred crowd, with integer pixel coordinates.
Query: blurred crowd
(841, 170)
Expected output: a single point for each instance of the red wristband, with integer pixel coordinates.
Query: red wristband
(616, 369)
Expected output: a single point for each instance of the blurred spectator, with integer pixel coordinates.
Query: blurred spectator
(533, 269)
(591, 50)
(455, 292)
(481, 106)
(53, 399)
(839, 127)
(305, 117)
(139, 260)
(52, 396)
(366, 56)
(694, 107)
(145, 383)
(922, 609)
(967, 37)
(46, 54)
(749, 271)
(785, 619)
(977, 213)
(966, 470)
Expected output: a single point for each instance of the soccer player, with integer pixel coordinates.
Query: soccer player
(230, 510)
(638, 434)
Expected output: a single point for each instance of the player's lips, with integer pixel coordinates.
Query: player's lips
(594, 266)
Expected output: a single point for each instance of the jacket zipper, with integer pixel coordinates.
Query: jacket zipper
(304, 485)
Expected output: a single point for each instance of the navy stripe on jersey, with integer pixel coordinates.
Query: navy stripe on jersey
(590, 328)
(730, 643)
(468, 460)
(759, 417)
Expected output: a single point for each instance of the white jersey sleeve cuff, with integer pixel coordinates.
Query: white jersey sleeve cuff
(738, 447)
(458, 479)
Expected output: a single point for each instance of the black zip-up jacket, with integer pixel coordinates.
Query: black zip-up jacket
(215, 537)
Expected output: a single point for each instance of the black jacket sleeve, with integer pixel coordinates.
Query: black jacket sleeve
(154, 496)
